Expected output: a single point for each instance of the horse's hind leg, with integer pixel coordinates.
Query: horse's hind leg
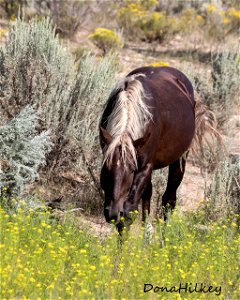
(146, 197)
(175, 176)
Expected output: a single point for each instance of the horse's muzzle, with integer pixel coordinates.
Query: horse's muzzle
(113, 215)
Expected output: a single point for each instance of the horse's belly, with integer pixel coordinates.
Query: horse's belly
(174, 140)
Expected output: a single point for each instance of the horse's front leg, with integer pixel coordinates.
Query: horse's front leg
(140, 183)
(146, 198)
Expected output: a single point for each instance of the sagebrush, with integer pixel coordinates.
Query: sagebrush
(37, 70)
(22, 150)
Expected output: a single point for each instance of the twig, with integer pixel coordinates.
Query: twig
(58, 212)
(95, 181)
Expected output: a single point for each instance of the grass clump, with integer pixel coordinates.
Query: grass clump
(42, 258)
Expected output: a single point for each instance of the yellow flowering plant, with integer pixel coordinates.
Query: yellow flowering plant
(140, 20)
(106, 39)
(189, 20)
(233, 18)
(156, 26)
(159, 64)
(42, 258)
(220, 22)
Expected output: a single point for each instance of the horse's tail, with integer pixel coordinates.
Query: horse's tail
(207, 144)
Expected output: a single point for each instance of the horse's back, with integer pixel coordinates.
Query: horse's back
(161, 72)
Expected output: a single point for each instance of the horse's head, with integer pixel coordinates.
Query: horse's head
(117, 178)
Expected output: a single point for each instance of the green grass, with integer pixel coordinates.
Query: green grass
(45, 259)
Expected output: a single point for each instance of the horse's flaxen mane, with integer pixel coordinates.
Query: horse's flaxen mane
(128, 120)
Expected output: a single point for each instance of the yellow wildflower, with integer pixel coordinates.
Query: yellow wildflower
(211, 8)
(160, 64)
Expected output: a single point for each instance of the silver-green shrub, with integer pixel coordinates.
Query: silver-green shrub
(22, 151)
(91, 88)
(224, 192)
(219, 88)
(225, 76)
(88, 95)
(37, 70)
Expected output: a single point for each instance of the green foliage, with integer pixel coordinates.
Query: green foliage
(37, 70)
(128, 17)
(225, 76)
(106, 39)
(22, 151)
(224, 193)
(12, 7)
(67, 16)
(189, 21)
(146, 4)
(220, 22)
(233, 18)
(53, 260)
(158, 22)
(89, 92)
(214, 28)
(218, 88)
(139, 22)
(159, 182)
(156, 26)
(80, 52)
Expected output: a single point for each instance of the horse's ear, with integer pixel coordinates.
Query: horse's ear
(105, 136)
(138, 144)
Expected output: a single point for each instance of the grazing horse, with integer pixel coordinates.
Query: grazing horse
(149, 122)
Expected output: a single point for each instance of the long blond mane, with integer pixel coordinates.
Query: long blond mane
(128, 120)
